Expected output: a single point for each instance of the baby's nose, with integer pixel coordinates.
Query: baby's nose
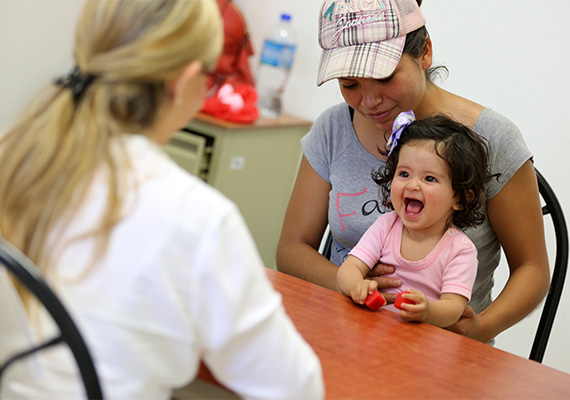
(414, 185)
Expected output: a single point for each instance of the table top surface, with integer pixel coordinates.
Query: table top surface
(376, 354)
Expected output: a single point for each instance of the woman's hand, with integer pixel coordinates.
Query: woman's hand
(377, 274)
(469, 325)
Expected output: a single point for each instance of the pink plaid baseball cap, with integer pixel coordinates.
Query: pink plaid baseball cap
(364, 38)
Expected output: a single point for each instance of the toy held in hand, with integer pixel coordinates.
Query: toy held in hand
(375, 300)
(400, 300)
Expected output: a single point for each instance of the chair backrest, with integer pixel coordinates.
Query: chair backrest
(326, 243)
(553, 208)
(25, 271)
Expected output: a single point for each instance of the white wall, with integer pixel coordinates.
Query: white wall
(510, 55)
(36, 38)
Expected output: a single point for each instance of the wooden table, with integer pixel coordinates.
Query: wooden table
(372, 355)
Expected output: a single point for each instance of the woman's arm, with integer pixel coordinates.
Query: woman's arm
(516, 217)
(303, 228)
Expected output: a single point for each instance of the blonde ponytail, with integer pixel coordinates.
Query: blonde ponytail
(129, 48)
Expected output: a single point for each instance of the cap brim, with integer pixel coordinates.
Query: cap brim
(376, 60)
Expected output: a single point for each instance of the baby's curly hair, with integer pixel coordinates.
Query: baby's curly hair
(465, 152)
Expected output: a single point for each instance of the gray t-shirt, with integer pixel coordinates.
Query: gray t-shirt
(335, 153)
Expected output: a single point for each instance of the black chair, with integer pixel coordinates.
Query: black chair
(551, 207)
(25, 271)
(327, 246)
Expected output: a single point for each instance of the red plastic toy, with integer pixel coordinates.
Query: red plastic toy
(375, 300)
(400, 300)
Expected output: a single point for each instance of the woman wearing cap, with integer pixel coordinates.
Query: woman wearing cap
(158, 269)
(381, 55)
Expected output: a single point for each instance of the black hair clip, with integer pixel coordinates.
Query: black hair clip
(76, 81)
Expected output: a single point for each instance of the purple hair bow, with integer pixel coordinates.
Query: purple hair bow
(402, 120)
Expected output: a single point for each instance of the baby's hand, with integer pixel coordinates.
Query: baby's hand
(415, 312)
(362, 289)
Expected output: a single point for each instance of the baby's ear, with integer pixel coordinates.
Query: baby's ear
(469, 196)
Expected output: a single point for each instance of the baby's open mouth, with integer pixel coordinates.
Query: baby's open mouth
(413, 206)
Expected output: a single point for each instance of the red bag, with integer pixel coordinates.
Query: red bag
(237, 103)
(233, 62)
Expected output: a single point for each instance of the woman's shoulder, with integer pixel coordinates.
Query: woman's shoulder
(331, 134)
(490, 120)
(334, 116)
(457, 107)
(337, 111)
(503, 136)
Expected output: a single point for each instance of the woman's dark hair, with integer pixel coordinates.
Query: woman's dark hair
(415, 46)
(466, 154)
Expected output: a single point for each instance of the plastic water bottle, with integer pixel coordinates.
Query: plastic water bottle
(275, 63)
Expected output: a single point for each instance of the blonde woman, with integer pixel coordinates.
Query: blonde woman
(157, 268)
